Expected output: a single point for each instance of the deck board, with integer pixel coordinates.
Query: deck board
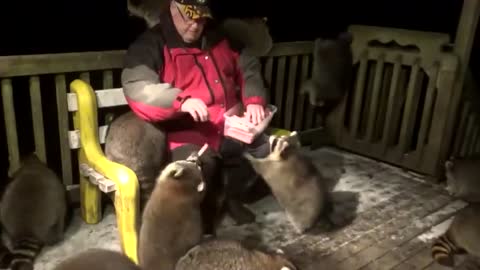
(396, 215)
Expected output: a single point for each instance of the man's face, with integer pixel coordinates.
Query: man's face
(190, 30)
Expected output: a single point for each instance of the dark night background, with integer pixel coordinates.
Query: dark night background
(105, 25)
(54, 26)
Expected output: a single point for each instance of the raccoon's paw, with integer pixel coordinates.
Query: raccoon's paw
(248, 156)
(173, 169)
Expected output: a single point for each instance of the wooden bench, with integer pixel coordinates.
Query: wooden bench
(284, 68)
(98, 173)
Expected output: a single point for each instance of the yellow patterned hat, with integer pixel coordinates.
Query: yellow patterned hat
(194, 9)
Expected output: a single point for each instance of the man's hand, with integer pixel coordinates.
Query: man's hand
(196, 108)
(255, 113)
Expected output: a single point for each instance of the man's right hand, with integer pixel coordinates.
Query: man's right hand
(196, 108)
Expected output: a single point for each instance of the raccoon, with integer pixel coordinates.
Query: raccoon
(214, 204)
(294, 180)
(139, 145)
(470, 263)
(463, 236)
(332, 70)
(223, 254)
(148, 10)
(97, 259)
(33, 211)
(250, 34)
(172, 222)
(462, 178)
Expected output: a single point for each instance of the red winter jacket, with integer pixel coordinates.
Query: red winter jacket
(161, 71)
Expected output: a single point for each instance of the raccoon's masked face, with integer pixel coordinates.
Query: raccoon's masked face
(281, 149)
(284, 145)
(187, 171)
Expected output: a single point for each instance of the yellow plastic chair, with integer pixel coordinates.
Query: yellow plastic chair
(100, 174)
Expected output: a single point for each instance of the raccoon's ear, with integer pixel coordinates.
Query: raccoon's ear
(177, 172)
(294, 139)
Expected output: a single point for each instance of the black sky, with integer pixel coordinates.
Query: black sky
(66, 25)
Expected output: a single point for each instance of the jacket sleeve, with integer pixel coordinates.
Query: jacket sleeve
(148, 97)
(250, 79)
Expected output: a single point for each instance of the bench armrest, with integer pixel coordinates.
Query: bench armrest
(86, 117)
(125, 181)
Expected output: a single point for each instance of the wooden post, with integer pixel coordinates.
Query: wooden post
(464, 38)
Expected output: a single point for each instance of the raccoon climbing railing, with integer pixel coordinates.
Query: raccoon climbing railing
(402, 106)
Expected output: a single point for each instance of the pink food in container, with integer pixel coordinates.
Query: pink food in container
(238, 127)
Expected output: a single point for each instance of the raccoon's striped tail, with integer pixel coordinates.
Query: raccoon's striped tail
(24, 253)
(443, 250)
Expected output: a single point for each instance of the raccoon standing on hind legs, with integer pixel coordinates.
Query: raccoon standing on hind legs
(295, 182)
(463, 236)
(33, 212)
(172, 219)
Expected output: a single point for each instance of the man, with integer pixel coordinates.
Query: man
(182, 66)
(182, 74)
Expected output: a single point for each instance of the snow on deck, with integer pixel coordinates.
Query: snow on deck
(394, 213)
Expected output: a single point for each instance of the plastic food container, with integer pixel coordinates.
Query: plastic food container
(239, 128)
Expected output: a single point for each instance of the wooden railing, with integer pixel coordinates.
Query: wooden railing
(403, 104)
(45, 78)
(388, 115)
(48, 76)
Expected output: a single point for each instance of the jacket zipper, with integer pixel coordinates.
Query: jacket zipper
(205, 78)
(221, 79)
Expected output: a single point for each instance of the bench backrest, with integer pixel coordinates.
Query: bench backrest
(106, 98)
(287, 65)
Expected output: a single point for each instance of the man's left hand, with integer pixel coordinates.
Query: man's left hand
(255, 113)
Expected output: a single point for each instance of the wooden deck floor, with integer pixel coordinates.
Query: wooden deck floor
(394, 212)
